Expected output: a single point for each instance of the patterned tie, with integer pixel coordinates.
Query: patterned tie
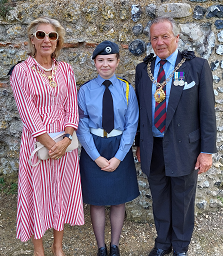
(160, 108)
(107, 109)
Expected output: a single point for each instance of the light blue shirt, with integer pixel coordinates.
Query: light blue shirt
(168, 68)
(90, 110)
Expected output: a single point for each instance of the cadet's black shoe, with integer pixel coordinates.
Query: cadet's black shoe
(102, 251)
(160, 252)
(114, 250)
(180, 253)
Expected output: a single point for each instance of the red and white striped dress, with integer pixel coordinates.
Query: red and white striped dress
(49, 194)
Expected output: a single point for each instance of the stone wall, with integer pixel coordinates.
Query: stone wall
(88, 22)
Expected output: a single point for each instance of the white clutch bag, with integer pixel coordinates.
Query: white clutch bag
(42, 151)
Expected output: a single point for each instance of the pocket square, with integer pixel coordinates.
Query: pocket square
(188, 86)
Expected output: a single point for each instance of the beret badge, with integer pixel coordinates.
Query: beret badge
(108, 49)
(105, 48)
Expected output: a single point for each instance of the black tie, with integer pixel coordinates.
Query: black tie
(107, 109)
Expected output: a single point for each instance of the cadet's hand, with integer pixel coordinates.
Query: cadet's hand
(113, 165)
(102, 162)
(204, 162)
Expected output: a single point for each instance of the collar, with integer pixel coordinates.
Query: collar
(171, 59)
(32, 62)
(100, 80)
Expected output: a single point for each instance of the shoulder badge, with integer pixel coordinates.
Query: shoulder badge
(127, 88)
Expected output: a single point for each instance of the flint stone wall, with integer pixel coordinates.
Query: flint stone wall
(87, 23)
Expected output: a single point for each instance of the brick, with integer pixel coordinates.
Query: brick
(90, 45)
(4, 44)
(124, 46)
(71, 45)
(17, 45)
(3, 85)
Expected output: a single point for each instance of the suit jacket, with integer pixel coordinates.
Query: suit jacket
(190, 121)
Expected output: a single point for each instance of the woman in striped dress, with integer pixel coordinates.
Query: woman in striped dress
(49, 194)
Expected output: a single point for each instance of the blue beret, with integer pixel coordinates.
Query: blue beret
(105, 48)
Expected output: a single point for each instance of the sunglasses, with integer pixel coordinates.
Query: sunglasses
(40, 35)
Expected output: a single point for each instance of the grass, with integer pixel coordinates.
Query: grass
(220, 198)
(4, 8)
(8, 188)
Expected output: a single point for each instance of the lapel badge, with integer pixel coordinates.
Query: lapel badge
(179, 78)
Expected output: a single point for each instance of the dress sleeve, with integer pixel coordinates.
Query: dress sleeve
(27, 110)
(131, 123)
(83, 132)
(71, 105)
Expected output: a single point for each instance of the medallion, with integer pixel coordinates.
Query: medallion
(52, 83)
(159, 95)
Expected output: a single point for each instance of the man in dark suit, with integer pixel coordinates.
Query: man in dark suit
(177, 133)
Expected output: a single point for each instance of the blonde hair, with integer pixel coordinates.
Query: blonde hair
(32, 28)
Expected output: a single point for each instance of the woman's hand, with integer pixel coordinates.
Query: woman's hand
(59, 149)
(113, 165)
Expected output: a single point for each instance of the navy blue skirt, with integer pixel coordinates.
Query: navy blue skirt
(108, 188)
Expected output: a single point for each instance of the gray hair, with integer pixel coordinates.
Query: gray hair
(175, 28)
(45, 20)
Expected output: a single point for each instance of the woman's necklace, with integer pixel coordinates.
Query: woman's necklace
(46, 69)
(50, 78)
(160, 95)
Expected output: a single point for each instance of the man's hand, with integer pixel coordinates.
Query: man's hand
(204, 162)
(138, 154)
(113, 165)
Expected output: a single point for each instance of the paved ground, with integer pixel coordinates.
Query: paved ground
(137, 238)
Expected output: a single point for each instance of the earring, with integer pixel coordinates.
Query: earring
(34, 49)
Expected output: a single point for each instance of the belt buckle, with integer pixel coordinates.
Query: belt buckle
(105, 133)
